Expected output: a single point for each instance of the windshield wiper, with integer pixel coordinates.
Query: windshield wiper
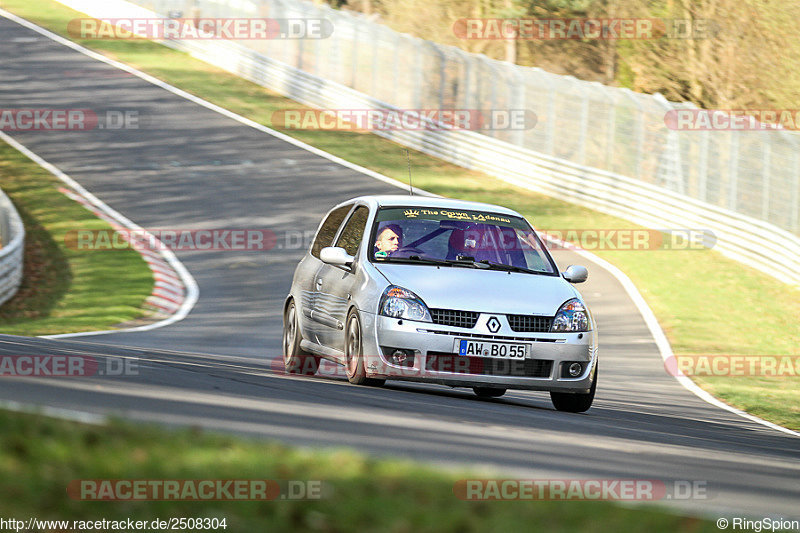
(431, 261)
(509, 268)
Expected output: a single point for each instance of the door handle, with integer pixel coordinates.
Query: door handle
(319, 283)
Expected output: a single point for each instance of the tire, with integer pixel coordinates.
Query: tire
(575, 403)
(354, 353)
(488, 392)
(295, 359)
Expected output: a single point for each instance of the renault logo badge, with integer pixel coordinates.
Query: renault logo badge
(493, 324)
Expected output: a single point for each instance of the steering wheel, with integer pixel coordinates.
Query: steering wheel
(408, 252)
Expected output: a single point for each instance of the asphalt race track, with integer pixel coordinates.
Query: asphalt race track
(190, 168)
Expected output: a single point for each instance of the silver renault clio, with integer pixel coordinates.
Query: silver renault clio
(442, 291)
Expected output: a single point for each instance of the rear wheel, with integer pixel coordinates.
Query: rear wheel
(295, 359)
(488, 392)
(575, 403)
(354, 353)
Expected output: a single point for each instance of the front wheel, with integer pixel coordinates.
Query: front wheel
(575, 403)
(295, 359)
(354, 353)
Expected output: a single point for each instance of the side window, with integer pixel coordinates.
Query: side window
(353, 231)
(328, 229)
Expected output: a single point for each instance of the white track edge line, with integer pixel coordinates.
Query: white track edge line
(660, 338)
(54, 412)
(189, 282)
(208, 105)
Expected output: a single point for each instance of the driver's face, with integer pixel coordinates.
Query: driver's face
(388, 241)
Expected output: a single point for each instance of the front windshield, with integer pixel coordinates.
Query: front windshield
(442, 236)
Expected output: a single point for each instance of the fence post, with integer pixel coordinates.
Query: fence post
(765, 177)
(584, 126)
(518, 105)
(395, 68)
(442, 73)
(702, 171)
(795, 224)
(733, 172)
(417, 69)
(354, 72)
(551, 120)
(465, 88)
(612, 126)
(374, 48)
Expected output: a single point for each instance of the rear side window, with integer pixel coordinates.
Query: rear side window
(353, 231)
(328, 229)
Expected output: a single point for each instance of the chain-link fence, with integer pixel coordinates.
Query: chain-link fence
(755, 173)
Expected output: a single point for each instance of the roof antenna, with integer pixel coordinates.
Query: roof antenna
(410, 187)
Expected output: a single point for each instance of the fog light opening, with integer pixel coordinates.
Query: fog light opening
(575, 370)
(399, 357)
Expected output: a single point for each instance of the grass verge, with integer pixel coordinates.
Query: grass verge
(65, 290)
(41, 456)
(707, 304)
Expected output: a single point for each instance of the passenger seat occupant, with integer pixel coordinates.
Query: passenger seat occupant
(389, 240)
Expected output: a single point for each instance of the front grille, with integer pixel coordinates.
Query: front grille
(486, 336)
(453, 318)
(488, 366)
(530, 323)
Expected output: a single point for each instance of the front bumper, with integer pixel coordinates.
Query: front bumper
(436, 360)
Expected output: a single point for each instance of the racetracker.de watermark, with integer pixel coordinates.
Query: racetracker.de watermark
(244, 29)
(404, 119)
(628, 239)
(727, 365)
(733, 119)
(580, 489)
(68, 119)
(195, 489)
(537, 29)
(171, 239)
(66, 366)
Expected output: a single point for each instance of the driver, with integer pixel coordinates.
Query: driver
(389, 240)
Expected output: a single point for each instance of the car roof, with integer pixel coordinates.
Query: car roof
(399, 200)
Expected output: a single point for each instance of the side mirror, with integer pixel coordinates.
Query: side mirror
(575, 274)
(336, 256)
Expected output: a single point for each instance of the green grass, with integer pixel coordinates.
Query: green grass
(39, 457)
(705, 302)
(64, 289)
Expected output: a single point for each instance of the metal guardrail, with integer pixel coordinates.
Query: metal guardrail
(653, 186)
(12, 238)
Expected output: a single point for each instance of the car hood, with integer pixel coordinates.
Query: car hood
(489, 291)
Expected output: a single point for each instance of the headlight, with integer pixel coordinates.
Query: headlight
(572, 317)
(398, 302)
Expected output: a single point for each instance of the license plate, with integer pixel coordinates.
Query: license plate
(500, 350)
